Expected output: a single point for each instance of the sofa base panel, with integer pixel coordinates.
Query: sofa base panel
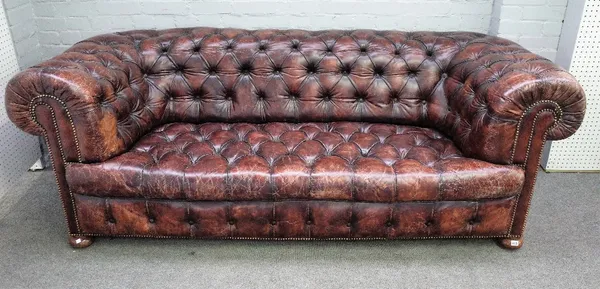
(294, 220)
(502, 241)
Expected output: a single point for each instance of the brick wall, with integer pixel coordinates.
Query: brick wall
(535, 24)
(21, 20)
(57, 24)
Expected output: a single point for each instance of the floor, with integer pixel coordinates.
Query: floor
(561, 250)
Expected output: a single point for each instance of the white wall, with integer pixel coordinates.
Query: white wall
(61, 23)
(536, 24)
(18, 150)
(21, 20)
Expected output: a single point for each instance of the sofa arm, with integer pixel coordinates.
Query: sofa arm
(84, 97)
(497, 91)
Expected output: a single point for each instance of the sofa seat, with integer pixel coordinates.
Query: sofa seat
(338, 161)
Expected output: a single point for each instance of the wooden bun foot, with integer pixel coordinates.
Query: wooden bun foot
(511, 244)
(80, 242)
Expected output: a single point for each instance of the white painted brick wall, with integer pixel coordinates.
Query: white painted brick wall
(59, 24)
(535, 24)
(21, 20)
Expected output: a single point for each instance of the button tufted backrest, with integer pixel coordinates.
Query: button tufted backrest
(473, 87)
(207, 74)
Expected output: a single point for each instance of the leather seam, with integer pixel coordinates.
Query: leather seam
(531, 188)
(525, 112)
(300, 200)
(296, 238)
(59, 142)
(32, 107)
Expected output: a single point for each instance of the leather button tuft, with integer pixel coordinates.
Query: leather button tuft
(261, 94)
(112, 220)
(429, 223)
(274, 222)
(346, 70)
(229, 93)
(151, 220)
(295, 44)
(349, 224)
(327, 95)
(311, 68)
(389, 224)
(308, 222)
(294, 95)
(231, 222)
(245, 68)
(474, 221)
(191, 222)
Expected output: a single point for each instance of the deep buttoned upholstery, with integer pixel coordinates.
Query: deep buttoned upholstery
(309, 161)
(119, 86)
(226, 133)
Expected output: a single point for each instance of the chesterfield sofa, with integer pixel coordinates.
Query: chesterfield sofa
(296, 135)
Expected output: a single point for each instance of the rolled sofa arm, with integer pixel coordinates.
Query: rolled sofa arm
(495, 91)
(88, 95)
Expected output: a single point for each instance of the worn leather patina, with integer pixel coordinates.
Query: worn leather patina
(229, 133)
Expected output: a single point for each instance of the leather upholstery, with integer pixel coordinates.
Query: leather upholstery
(341, 161)
(229, 133)
(472, 87)
(293, 219)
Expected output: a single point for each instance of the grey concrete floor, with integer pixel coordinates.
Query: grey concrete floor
(562, 249)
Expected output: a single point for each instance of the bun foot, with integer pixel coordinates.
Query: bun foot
(511, 244)
(80, 242)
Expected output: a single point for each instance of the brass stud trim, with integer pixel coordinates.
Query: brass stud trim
(62, 156)
(33, 104)
(528, 150)
(558, 113)
(293, 238)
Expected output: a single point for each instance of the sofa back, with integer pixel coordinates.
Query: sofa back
(482, 91)
(230, 75)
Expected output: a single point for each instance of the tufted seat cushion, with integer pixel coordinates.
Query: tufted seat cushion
(341, 161)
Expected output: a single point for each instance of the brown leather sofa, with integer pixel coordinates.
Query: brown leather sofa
(273, 134)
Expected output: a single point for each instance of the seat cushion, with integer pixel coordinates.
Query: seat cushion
(342, 161)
